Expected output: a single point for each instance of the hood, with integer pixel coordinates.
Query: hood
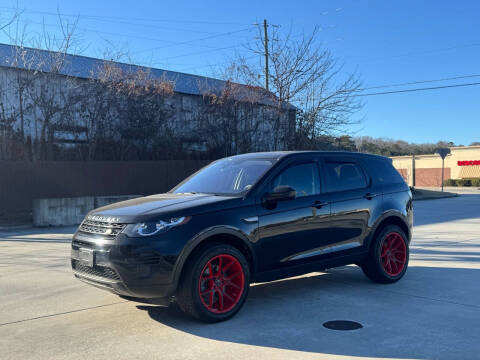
(149, 207)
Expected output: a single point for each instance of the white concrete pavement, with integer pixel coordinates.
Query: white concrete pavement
(432, 313)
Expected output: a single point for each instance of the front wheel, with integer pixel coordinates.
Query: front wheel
(387, 260)
(215, 283)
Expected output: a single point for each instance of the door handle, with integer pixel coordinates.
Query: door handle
(319, 204)
(369, 196)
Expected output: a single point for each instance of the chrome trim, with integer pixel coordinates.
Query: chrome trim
(101, 227)
(108, 219)
(324, 250)
(250, 220)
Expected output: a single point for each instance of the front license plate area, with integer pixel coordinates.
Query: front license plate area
(86, 257)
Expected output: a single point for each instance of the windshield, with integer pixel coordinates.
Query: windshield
(227, 176)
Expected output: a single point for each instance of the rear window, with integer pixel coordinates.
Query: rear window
(344, 176)
(383, 172)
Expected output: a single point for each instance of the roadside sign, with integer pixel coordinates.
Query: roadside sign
(443, 152)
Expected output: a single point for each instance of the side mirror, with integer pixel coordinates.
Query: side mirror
(280, 193)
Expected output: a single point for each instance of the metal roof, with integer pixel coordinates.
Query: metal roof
(90, 68)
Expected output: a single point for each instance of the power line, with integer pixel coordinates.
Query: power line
(156, 27)
(172, 43)
(126, 19)
(422, 52)
(418, 89)
(211, 65)
(420, 82)
(190, 41)
(197, 53)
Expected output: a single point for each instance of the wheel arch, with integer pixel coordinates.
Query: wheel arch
(219, 234)
(391, 218)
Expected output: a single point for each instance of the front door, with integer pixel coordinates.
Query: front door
(290, 230)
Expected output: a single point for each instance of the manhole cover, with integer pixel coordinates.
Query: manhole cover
(342, 325)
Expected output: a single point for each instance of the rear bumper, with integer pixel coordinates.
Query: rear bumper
(125, 266)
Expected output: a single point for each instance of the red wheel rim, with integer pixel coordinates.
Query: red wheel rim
(393, 254)
(221, 283)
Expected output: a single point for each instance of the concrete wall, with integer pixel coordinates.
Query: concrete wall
(61, 212)
(70, 211)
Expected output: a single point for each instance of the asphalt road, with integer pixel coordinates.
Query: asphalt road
(432, 313)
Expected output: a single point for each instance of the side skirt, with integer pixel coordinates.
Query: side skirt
(296, 270)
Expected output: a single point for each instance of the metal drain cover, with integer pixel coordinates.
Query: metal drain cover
(342, 325)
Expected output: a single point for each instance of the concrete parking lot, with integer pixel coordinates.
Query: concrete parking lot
(433, 313)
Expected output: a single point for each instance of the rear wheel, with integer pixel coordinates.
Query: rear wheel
(215, 283)
(387, 260)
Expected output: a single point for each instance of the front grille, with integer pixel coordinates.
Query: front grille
(101, 228)
(97, 271)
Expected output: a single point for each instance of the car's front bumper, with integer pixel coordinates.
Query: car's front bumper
(141, 268)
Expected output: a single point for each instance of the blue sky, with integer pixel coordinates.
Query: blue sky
(387, 42)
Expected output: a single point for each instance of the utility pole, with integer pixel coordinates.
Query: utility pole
(265, 26)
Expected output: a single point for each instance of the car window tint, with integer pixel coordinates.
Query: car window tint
(386, 173)
(303, 178)
(344, 176)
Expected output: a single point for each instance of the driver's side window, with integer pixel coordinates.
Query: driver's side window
(304, 178)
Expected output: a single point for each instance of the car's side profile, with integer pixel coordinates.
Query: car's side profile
(245, 219)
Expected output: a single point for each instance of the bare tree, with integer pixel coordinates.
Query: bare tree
(127, 113)
(303, 74)
(4, 24)
(230, 119)
(8, 111)
(41, 98)
(52, 93)
(390, 147)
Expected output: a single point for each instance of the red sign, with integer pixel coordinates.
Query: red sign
(468, 162)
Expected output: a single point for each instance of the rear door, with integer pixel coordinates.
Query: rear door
(292, 229)
(354, 200)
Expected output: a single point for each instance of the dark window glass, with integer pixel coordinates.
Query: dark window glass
(344, 176)
(303, 178)
(386, 173)
(383, 172)
(226, 176)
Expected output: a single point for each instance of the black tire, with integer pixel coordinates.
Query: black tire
(390, 267)
(189, 296)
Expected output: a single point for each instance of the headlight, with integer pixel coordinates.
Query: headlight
(154, 227)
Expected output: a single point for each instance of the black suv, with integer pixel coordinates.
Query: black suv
(249, 218)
